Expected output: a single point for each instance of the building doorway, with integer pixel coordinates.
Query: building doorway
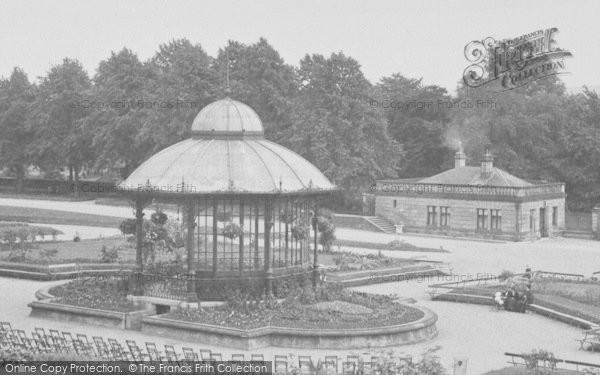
(543, 224)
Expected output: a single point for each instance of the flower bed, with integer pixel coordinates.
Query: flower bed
(393, 245)
(346, 261)
(97, 294)
(305, 309)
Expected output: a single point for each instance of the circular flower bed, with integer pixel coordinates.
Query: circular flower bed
(326, 308)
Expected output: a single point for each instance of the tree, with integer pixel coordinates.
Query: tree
(120, 91)
(417, 122)
(60, 140)
(260, 78)
(334, 127)
(16, 134)
(186, 82)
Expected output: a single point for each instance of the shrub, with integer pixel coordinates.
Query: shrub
(299, 231)
(159, 218)
(127, 226)
(223, 216)
(327, 232)
(505, 275)
(533, 359)
(109, 256)
(48, 254)
(232, 230)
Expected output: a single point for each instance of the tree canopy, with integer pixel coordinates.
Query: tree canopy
(322, 108)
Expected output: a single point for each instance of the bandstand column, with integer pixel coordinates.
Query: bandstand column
(268, 250)
(315, 225)
(241, 239)
(215, 239)
(139, 247)
(189, 247)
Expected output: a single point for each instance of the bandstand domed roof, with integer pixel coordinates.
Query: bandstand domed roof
(227, 154)
(227, 116)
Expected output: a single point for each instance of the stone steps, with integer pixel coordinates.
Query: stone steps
(383, 224)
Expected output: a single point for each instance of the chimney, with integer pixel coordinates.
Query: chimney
(487, 164)
(460, 158)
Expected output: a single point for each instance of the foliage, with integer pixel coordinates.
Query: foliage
(128, 226)
(48, 255)
(323, 109)
(326, 232)
(537, 357)
(303, 308)
(223, 216)
(299, 231)
(109, 255)
(104, 294)
(159, 218)
(232, 230)
(16, 130)
(505, 275)
(335, 128)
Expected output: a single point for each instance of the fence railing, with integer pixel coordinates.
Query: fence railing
(581, 367)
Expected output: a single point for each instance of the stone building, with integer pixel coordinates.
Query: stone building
(473, 201)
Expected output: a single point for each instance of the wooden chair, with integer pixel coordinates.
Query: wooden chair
(170, 353)
(332, 360)
(205, 355)
(189, 354)
(153, 352)
(281, 361)
(101, 347)
(305, 364)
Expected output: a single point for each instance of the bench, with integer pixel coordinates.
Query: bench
(591, 337)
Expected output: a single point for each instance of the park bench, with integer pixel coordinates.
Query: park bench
(591, 337)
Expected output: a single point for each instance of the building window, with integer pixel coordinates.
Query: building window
(555, 216)
(532, 220)
(431, 216)
(444, 216)
(481, 218)
(495, 219)
(395, 203)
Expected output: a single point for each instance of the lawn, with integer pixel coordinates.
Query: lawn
(39, 215)
(84, 251)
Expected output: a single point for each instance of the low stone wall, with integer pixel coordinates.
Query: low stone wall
(47, 309)
(382, 275)
(409, 333)
(47, 272)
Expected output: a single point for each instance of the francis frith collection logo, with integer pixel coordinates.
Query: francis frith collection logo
(511, 63)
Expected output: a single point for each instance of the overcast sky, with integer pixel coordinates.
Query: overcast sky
(417, 38)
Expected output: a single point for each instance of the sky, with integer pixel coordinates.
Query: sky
(419, 39)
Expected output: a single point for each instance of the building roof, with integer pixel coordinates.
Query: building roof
(227, 154)
(227, 116)
(473, 176)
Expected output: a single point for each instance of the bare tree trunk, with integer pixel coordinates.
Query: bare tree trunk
(76, 180)
(20, 178)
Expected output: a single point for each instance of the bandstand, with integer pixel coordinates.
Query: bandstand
(247, 203)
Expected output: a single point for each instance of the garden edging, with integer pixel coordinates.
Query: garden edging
(407, 333)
